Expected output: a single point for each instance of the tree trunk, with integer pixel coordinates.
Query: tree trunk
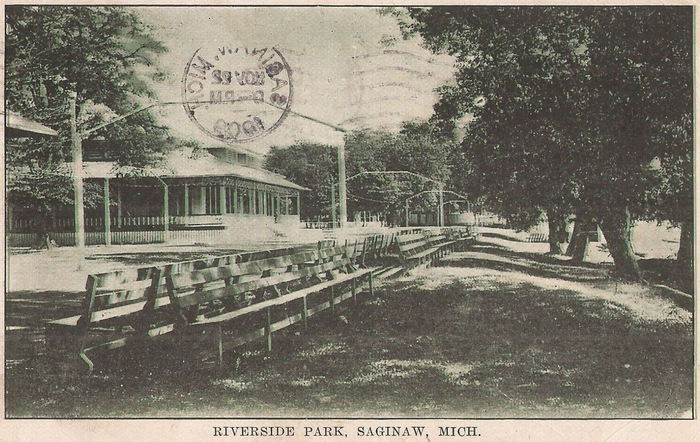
(557, 230)
(578, 247)
(616, 226)
(684, 258)
(44, 240)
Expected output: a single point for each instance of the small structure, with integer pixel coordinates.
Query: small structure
(17, 126)
(212, 196)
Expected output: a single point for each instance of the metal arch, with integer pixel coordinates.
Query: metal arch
(394, 172)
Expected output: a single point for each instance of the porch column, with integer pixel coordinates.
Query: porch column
(107, 215)
(254, 200)
(263, 202)
(236, 207)
(298, 205)
(187, 199)
(166, 211)
(222, 199)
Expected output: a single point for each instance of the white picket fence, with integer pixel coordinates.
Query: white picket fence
(23, 224)
(134, 237)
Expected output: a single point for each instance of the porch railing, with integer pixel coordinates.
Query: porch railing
(24, 224)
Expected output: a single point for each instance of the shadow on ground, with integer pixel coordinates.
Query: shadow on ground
(483, 347)
(493, 256)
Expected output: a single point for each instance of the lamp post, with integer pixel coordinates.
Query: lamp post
(342, 190)
(77, 154)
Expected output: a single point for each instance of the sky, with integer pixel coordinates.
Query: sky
(343, 70)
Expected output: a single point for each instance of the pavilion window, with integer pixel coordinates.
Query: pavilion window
(258, 199)
(229, 200)
(270, 205)
(174, 203)
(244, 201)
(211, 200)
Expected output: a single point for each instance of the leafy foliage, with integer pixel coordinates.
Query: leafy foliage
(310, 165)
(417, 149)
(579, 103)
(104, 54)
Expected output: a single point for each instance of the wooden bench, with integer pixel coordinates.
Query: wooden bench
(425, 247)
(133, 306)
(114, 299)
(284, 286)
(463, 235)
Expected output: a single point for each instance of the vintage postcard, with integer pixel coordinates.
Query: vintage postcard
(324, 222)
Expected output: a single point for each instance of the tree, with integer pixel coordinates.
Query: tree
(579, 102)
(105, 54)
(310, 165)
(415, 149)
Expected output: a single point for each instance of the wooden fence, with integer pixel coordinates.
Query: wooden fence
(127, 237)
(29, 225)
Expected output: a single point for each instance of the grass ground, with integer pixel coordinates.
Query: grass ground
(492, 332)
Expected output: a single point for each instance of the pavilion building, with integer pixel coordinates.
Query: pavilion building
(216, 195)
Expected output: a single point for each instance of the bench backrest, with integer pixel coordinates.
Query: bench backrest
(123, 292)
(199, 288)
(414, 243)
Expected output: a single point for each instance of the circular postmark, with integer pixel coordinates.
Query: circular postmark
(237, 94)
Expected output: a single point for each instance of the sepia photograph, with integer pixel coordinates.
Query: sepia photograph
(349, 212)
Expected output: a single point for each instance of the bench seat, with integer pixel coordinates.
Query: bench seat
(343, 277)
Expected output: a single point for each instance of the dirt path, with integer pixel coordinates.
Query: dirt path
(490, 333)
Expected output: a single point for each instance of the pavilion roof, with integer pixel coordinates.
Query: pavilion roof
(182, 165)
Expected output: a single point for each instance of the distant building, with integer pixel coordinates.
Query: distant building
(213, 196)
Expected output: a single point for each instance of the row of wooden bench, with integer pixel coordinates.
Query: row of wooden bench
(200, 300)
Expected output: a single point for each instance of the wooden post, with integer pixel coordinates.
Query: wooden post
(342, 193)
(332, 298)
(187, 199)
(371, 285)
(119, 205)
(441, 212)
(406, 213)
(354, 292)
(254, 200)
(222, 199)
(332, 207)
(166, 211)
(268, 329)
(77, 158)
(107, 215)
(220, 344)
(261, 202)
(305, 313)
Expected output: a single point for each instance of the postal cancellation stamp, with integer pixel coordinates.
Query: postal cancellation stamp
(237, 94)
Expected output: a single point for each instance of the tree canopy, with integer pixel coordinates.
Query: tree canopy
(579, 102)
(418, 148)
(104, 54)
